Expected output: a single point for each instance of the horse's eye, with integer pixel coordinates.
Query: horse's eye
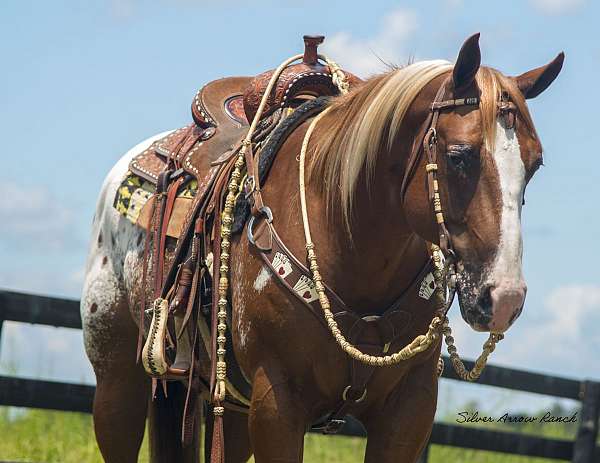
(459, 155)
(457, 159)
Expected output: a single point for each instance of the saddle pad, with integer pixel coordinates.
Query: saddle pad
(134, 198)
(132, 195)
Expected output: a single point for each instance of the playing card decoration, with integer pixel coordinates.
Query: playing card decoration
(306, 289)
(282, 265)
(427, 287)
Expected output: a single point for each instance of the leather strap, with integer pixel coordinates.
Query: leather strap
(252, 184)
(295, 277)
(146, 256)
(167, 209)
(157, 225)
(426, 141)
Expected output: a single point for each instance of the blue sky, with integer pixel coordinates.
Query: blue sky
(82, 82)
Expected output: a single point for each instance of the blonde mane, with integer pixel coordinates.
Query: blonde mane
(367, 121)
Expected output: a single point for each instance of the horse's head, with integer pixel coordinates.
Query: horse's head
(486, 158)
(487, 152)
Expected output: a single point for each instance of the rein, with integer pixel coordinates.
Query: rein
(444, 272)
(444, 268)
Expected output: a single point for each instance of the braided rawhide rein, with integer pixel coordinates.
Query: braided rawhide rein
(439, 324)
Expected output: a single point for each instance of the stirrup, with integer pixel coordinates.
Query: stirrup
(154, 357)
(153, 354)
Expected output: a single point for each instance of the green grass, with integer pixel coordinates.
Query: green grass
(44, 436)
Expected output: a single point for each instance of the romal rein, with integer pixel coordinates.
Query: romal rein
(443, 257)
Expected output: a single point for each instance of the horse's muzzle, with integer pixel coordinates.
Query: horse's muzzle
(507, 300)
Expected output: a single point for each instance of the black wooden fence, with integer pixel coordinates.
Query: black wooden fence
(52, 395)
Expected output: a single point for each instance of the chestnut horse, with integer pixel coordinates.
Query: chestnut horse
(371, 238)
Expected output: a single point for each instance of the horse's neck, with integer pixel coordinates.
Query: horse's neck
(380, 259)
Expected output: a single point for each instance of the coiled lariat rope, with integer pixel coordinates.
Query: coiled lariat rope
(439, 324)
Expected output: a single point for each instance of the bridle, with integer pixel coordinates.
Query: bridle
(427, 142)
(443, 255)
(429, 145)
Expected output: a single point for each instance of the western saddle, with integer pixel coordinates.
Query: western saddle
(180, 326)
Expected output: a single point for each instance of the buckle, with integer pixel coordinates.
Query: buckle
(431, 137)
(329, 426)
(176, 174)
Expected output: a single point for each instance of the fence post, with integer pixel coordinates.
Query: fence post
(585, 442)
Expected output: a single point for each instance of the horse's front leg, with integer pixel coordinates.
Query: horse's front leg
(278, 418)
(399, 429)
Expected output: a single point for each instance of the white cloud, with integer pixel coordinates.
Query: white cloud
(570, 309)
(32, 216)
(555, 7)
(562, 337)
(364, 56)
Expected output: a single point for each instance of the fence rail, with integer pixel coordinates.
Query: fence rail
(43, 310)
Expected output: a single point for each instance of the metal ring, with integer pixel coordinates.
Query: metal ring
(263, 211)
(360, 399)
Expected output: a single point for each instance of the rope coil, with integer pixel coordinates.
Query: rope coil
(439, 325)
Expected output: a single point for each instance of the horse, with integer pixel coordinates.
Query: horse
(372, 223)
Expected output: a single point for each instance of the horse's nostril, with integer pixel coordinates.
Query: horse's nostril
(485, 299)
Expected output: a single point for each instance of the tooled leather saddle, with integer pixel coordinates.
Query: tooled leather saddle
(177, 275)
(221, 111)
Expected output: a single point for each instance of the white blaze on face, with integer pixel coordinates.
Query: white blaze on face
(507, 267)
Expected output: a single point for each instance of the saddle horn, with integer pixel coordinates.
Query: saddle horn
(311, 43)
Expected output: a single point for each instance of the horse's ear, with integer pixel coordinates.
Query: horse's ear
(467, 63)
(534, 82)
